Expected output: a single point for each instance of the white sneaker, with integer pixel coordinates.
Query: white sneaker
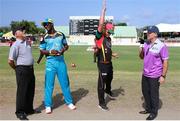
(72, 106)
(48, 110)
(103, 107)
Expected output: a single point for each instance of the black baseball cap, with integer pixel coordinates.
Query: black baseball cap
(20, 28)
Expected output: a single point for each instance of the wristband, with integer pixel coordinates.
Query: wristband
(141, 45)
(49, 51)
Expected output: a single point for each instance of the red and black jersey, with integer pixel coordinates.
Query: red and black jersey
(103, 43)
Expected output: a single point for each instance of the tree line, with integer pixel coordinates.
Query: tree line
(31, 27)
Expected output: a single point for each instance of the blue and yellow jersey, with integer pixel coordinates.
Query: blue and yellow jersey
(55, 42)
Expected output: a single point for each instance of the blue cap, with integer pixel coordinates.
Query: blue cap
(47, 20)
(152, 29)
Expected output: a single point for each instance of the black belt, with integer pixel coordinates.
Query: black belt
(25, 66)
(105, 62)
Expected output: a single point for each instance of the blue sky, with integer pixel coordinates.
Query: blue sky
(138, 13)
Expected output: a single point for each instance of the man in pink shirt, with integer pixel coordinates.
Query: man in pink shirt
(155, 56)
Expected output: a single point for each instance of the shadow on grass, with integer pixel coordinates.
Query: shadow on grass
(116, 93)
(144, 103)
(58, 99)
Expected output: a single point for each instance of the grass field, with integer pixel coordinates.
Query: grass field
(126, 83)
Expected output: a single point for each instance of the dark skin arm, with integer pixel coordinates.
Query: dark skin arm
(55, 52)
(44, 52)
(66, 47)
(40, 58)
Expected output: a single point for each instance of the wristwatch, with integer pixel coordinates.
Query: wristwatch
(164, 76)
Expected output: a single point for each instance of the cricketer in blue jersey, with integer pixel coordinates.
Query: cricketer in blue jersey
(53, 46)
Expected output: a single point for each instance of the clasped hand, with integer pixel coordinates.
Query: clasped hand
(55, 52)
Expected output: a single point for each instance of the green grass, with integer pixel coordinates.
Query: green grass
(128, 60)
(127, 72)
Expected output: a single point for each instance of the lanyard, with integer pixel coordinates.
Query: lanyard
(151, 46)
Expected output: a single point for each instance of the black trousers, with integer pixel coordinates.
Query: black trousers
(150, 90)
(104, 80)
(25, 89)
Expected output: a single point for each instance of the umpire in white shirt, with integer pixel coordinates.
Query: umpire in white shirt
(21, 60)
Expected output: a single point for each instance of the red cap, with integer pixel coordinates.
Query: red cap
(109, 26)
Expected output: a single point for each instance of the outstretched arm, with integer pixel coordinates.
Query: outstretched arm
(102, 17)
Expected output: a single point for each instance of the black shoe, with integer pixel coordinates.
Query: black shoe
(144, 112)
(103, 107)
(152, 116)
(22, 116)
(34, 112)
(111, 96)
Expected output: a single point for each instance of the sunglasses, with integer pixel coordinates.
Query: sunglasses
(45, 24)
